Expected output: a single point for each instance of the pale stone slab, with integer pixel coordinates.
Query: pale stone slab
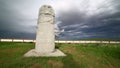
(33, 53)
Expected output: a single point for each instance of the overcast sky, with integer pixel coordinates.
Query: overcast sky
(75, 19)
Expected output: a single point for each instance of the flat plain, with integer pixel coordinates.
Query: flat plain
(78, 56)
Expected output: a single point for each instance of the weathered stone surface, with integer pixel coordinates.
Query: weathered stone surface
(45, 38)
(45, 33)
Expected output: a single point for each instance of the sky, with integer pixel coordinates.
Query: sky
(74, 19)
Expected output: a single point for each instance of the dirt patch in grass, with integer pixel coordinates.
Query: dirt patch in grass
(37, 65)
(108, 66)
(11, 50)
(54, 63)
(70, 50)
(2, 62)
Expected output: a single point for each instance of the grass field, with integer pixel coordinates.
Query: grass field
(78, 56)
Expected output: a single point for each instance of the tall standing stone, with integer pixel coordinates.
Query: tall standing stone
(45, 37)
(45, 33)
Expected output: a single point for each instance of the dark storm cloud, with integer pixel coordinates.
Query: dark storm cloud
(70, 17)
(77, 19)
(79, 25)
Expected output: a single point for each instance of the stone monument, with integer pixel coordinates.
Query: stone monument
(45, 37)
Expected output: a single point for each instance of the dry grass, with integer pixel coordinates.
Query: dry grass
(37, 65)
(54, 63)
(70, 49)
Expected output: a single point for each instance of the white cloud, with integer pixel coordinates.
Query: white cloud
(90, 7)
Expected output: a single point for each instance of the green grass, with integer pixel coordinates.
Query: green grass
(78, 56)
(102, 39)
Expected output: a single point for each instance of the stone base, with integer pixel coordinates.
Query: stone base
(33, 53)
